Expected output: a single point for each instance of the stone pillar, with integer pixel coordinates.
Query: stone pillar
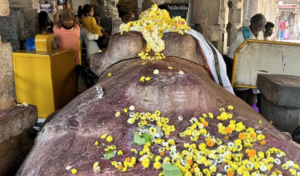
(147, 4)
(235, 20)
(14, 120)
(128, 5)
(21, 23)
(209, 19)
(280, 100)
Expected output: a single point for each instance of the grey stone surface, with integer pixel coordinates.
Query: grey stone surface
(15, 120)
(6, 77)
(284, 119)
(282, 90)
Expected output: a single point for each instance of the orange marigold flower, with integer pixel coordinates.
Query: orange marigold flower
(230, 172)
(251, 153)
(228, 130)
(210, 143)
(263, 142)
(205, 123)
(242, 136)
(226, 137)
(162, 153)
(120, 167)
(190, 162)
(253, 135)
(192, 170)
(128, 159)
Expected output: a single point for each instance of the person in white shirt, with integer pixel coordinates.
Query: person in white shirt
(254, 31)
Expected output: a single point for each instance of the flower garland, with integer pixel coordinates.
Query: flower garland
(152, 23)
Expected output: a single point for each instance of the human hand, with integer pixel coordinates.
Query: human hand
(57, 8)
(68, 5)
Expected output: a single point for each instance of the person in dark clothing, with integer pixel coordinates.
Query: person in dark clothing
(45, 24)
(296, 135)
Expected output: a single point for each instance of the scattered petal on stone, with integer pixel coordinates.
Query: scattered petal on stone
(103, 136)
(100, 51)
(171, 68)
(260, 122)
(68, 167)
(74, 171)
(109, 74)
(181, 72)
(96, 143)
(156, 72)
(125, 110)
(148, 79)
(131, 108)
(180, 118)
(118, 114)
(109, 139)
(230, 107)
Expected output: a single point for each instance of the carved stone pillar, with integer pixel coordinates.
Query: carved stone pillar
(209, 19)
(236, 14)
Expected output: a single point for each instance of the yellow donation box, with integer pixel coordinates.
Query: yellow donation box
(45, 77)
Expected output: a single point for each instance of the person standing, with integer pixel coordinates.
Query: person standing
(254, 31)
(269, 27)
(68, 32)
(282, 26)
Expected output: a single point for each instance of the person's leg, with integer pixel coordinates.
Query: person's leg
(258, 105)
(242, 94)
(251, 98)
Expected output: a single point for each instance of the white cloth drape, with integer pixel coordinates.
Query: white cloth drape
(211, 60)
(91, 45)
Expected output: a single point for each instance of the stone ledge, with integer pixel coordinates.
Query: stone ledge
(284, 119)
(281, 90)
(15, 120)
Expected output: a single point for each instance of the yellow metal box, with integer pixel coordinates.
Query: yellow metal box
(45, 79)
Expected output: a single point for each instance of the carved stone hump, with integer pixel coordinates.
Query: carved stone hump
(130, 44)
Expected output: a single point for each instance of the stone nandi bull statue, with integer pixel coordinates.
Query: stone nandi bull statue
(148, 117)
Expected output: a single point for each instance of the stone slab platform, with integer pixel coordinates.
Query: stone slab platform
(14, 122)
(281, 90)
(284, 119)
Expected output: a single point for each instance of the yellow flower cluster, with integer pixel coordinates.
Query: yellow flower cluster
(128, 163)
(152, 23)
(237, 157)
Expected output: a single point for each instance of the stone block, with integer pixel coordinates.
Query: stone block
(10, 151)
(15, 120)
(6, 76)
(284, 119)
(4, 10)
(281, 90)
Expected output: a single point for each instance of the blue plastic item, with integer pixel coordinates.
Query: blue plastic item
(30, 44)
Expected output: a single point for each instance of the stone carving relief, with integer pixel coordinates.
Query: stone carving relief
(109, 14)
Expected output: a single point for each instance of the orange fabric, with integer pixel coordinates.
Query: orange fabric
(90, 24)
(68, 39)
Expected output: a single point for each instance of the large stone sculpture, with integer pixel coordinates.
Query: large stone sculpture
(144, 117)
(181, 88)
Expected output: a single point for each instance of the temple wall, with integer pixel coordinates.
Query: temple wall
(20, 24)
